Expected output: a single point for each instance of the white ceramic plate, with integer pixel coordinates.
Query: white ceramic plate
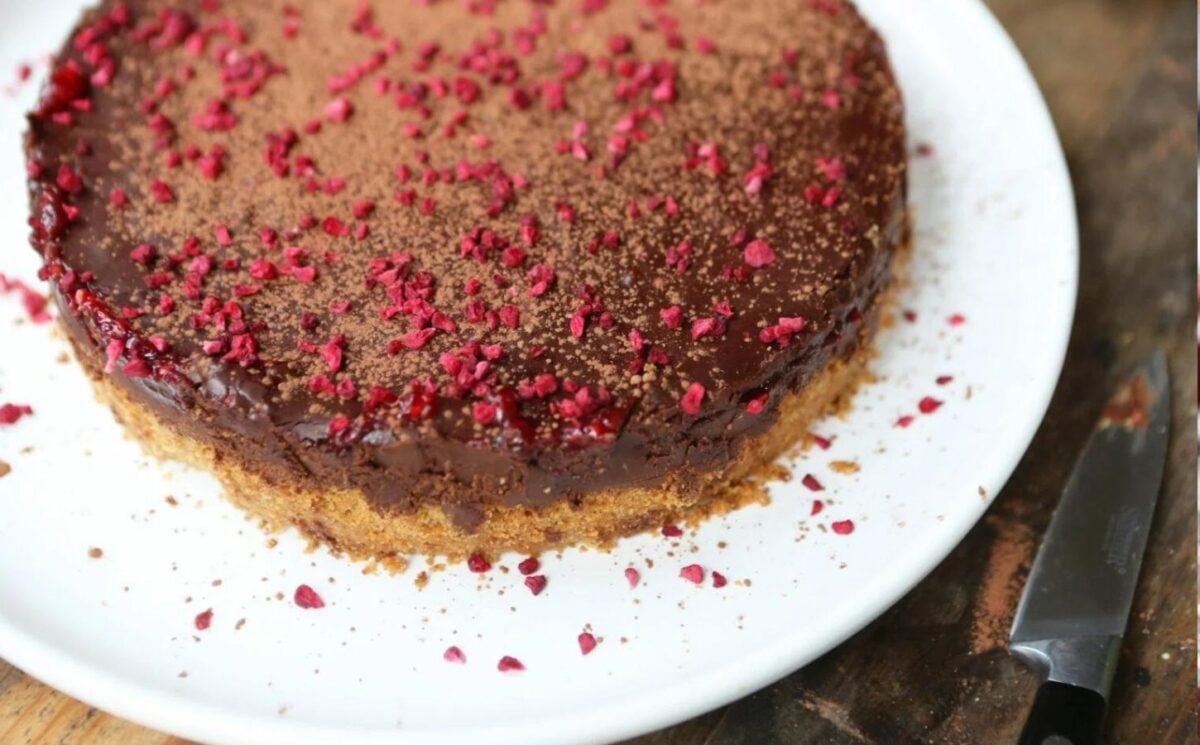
(995, 242)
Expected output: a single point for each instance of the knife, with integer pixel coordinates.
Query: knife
(1076, 602)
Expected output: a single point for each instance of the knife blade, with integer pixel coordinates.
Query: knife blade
(1076, 602)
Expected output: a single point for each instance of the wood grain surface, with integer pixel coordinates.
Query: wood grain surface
(1120, 77)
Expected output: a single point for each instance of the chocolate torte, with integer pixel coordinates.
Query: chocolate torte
(456, 276)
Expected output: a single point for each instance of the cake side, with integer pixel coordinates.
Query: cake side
(345, 521)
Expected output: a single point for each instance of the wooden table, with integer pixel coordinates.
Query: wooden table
(1120, 79)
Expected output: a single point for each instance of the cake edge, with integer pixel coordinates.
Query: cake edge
(344, 521)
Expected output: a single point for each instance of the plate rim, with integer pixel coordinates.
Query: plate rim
(717, 686)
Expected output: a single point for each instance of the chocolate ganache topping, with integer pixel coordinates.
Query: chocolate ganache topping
(468, 252)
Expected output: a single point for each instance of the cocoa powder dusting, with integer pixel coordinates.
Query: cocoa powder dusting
(997, 597)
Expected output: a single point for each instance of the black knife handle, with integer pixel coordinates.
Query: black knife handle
(1064, 715)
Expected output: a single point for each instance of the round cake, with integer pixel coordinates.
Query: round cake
(467, 276)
